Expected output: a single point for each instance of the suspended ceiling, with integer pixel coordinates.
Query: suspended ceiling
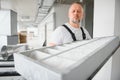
(31, 11)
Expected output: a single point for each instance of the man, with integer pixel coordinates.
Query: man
(62, 35)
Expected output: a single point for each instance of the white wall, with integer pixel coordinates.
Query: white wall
(47, 23)
(61, 11)
(8, 27)
(104, 12)
(56, 17)
(105, 72)
(5, 22)
(116, 58)
(107, 23)
(3, 41)
(117, 18)
(116, 66)
(8, 22)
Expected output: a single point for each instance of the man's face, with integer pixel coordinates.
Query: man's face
(75, 13)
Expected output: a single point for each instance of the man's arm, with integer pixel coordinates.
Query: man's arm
(51, 44)
(56, 37)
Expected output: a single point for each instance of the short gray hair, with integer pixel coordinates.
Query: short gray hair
(77, 2)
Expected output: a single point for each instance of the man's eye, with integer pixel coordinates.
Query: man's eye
(73, 11)
(78, 11)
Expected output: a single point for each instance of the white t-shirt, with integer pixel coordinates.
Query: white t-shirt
(61, 35)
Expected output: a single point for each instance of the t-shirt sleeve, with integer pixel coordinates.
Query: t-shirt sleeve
(56, 36)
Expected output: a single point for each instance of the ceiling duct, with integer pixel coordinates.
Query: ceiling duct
(41, 15)
(60, 1)
(66, 1)
(43, 10)
(44, 7)
(48, 3)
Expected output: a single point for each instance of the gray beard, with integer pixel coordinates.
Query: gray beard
(76, 22)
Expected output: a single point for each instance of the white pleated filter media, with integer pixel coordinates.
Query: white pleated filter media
(72, 61)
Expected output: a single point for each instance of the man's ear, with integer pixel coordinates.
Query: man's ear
(83, 15)
(68, 15)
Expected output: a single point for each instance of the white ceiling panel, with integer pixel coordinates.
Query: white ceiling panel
(24, 8)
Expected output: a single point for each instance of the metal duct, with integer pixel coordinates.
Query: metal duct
(43, 10)
(7, 51)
